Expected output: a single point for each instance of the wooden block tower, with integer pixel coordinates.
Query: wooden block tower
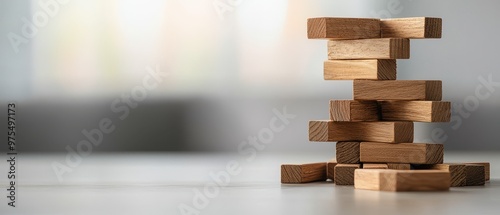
(374, 131)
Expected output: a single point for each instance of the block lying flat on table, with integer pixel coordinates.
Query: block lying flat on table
(474, 175)
(414, 153)
(486, 169)
(384, 48)
(375, 166)
(303, 173)
(344, 173)
(397, 90)
(342, 28)
(330, 170)
(401, 180)
(417, 111)
(414, 27)
(389, 132)
(376, 69)
(347, 152)
(352, 110)
(457, 172)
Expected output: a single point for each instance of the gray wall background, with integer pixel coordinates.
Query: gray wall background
(220, 110)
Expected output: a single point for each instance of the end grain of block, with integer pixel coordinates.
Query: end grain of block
(347, 152)
(344, 173)
(474, 175)
(330, 170)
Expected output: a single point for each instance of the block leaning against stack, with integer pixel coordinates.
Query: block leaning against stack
(374, 131)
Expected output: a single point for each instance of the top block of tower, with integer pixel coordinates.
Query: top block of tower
(362, 28)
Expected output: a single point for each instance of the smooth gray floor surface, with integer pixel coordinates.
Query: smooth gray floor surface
(164, 183)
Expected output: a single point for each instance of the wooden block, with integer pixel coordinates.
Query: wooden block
(375, 166)
(352, 110)
(347, 152)
(486, 169)
(414, 153)
(384, 48)
(376, 69)
(417, 111)
(397, 90)
(342, 28)
(474, 175)
(457, 172)
(303, 173)
(344, 173)
(330, 170)
(399, 166)
(401, 180)
(414, 28)
(388, 132)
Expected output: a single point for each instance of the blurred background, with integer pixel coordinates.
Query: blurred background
(207, 75)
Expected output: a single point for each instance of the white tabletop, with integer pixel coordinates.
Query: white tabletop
(159, 183)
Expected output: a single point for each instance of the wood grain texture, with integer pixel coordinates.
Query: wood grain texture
(353, 111)
(399, 166)
(413, 27)
(457, 172)
(486, 169)
(375, 69)
(414, 153)
(344, 173)
(397, 90)
(401, 180)
(375, 166)
(342, 28)
(330, 170)
(303, 173)
(347, 152)
(416, 111)
(385, 48)
(474, 175)
(389, 132)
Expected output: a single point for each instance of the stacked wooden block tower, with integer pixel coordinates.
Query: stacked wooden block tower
(374, 131)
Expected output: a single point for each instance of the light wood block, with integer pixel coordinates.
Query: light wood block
(486, 169)
(474, 175)
(352, 110)
(401, 180)
(384, 48)
(342, 28)
(457, 172)
(414, 153)
(375, 69)
(397, 90)
(347, 152)
(414, 27)
(389, 132)
(344, 173)
(417, 111)
(399, 166)
(330, 170)
(375, 166)
(303, 173)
